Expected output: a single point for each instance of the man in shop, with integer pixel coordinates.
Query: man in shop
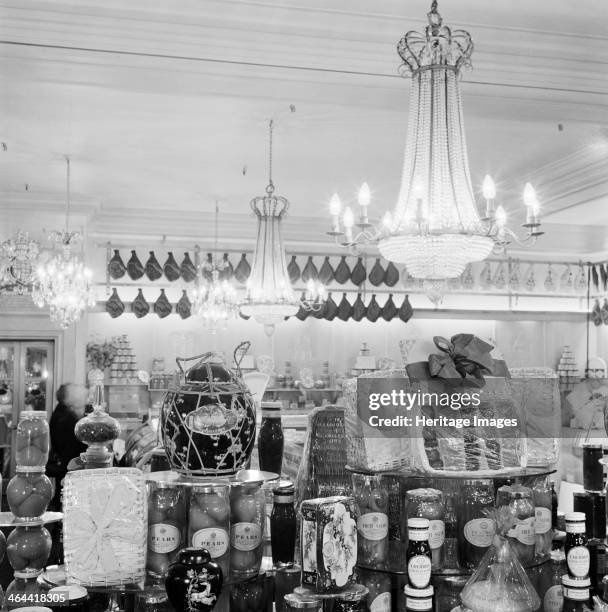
(71, 399)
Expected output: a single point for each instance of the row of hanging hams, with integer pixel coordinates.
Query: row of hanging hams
(326, 274)
(328, 310)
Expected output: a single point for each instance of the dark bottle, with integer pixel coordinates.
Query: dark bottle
(419, 556)
(270, 440)
(553, 506)
(577, 553)
(576, 595)
(283, 523)
(475, 531)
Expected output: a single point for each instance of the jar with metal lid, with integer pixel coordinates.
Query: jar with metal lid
(302, 603)
(32, 439)
(209, 521)
(247, 507)
(475, 531)
(166, 526)
(429, 504)
(418, 600)
(283, 523)
(371, 499)
(578, 558)
(70, 598)
(522, 536)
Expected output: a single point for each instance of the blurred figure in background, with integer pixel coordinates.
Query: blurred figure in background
(71, 399)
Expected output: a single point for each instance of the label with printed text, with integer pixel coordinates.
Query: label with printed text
(524, 532)
(373, 526)
(480, 532)
(419, 571)
(382, 603)
(245, 536)
(578, 560)
(436, 534)
(542, 520)
(213, 539)
(163, 538)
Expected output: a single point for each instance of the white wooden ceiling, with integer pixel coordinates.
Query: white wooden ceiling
(163, 107)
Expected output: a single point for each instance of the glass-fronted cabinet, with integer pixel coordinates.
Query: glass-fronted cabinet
(26, 383)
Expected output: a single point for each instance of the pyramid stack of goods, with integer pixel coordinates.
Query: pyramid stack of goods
(124, 366)
(567, 370)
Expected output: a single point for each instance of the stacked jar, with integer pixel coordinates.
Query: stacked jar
(29, 493)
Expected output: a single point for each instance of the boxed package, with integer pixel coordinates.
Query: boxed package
(329, 543)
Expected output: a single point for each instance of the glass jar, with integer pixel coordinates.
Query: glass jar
(428, 504)
(576, 594)
(97, 430)
(418, 600)
(448, 592)
(32, 440)
(475, 530)
(166, 526)
(418, 554)
(247, 503)
(541, 497)
(578, 558)
(522, 535)
(270, 438)
(28, 494)
(20, 588)
(283, 523)
(286, 579)
(302, 603)
(371, 499)
(255, 593)
(552, 596)
(379, 586)
(28, 549)
(209, 521)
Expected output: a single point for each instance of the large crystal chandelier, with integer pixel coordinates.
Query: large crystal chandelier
(18, 261)
(63, 282)
(270, 297)
(435, 228)
(215, 300)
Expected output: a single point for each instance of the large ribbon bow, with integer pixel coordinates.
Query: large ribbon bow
(108, 524)
(464, 359)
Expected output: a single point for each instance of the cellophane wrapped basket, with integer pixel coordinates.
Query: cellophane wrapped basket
(373, 453)
(105, 526)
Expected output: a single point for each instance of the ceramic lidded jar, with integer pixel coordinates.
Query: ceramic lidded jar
(208, 422)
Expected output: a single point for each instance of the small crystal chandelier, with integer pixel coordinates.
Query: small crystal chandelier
(18, 261)
(270, 297)
(435, 228)
(63, 283)
(215, 301)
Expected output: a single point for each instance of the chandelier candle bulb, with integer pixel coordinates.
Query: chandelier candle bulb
(348, 220)
(335, 206)
(364, 200)
(489, 193)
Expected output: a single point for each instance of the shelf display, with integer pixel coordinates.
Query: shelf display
(208, 423)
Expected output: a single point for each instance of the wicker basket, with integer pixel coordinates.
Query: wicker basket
(376, 454)
(105, 526)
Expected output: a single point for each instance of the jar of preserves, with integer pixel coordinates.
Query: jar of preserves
(418, 600)
(429, 504)
(371, 499)
(209, 521)
(28, 494)
(247, 507)
(166, 526)
(522, 535)
(28, 548)
(283, 523)
(577, 596)
(475, 530)
(578, 558)
(32, 440)
(270, 438)
(418, 554)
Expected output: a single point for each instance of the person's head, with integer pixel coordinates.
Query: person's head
(595, 371)
(73, 396)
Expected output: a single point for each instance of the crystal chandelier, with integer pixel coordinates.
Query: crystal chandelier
(435, 228)
(270, 298)
(215, 300)
(18, 263)
(63, 282)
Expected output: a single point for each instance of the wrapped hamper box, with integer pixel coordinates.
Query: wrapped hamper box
(329, 543)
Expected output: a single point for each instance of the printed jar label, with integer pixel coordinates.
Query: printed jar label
(382, 603)
(373, 526)
(245, 536)
(554, 599)
(163, 538)
(542, 520)
(524, 532)
(480, 532)
(214, 540)
(419, 571)
(419, 604)
(578, 561)
(436, 534)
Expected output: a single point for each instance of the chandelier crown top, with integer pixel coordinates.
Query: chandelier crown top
(438, 47)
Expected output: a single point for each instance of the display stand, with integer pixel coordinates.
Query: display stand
(398, 484)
